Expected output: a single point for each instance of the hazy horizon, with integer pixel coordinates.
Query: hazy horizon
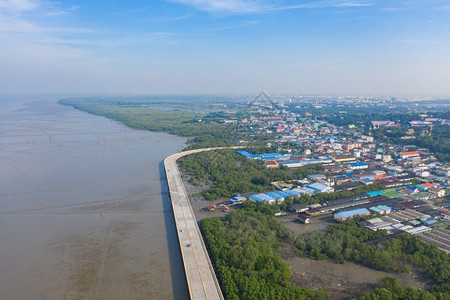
(170, 47)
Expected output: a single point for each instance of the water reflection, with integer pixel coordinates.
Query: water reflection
(82, 213)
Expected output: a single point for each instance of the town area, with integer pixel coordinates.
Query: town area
(405, 186)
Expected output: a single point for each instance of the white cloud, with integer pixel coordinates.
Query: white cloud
(233, 26)
(42, 7)
(239, 6)
(323, 4)
(17, 25)
(18, 5)
(351, 4)
(254, 6)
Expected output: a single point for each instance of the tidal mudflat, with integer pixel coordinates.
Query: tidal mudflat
(84, 210)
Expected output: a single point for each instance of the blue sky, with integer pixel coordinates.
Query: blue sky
(390, 47)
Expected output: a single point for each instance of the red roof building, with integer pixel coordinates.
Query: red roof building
(404, 155)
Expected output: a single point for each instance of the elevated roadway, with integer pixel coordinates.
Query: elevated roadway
(201, 279)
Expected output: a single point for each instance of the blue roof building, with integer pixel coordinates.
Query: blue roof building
(291, 193)
(344, 215)
(328, 138)
(270, 156)
(381, 209)
(321, 188)
(366, 180)
(374, 193)
(422, 188)
(237, 199)
(430, 222)
(262, 197)
(307, 190)
(256, 198)
(243, 152)
(265, 156)
(274, 195)
(282, 194)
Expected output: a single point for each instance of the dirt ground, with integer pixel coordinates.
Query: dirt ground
(198, 203)
(342, 281)
(316, 223)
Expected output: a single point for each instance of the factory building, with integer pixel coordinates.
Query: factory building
(275, 196)
(381, 209)
(291, 192)
(345, 215)
(262, 198)
(321, 188)
(298, 208)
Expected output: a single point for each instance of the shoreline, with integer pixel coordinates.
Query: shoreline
(200, 275)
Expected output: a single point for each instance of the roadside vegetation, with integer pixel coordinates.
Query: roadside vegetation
(203, 129)
(245, 248)
(404, 253)
(228, 173)
(388, 288)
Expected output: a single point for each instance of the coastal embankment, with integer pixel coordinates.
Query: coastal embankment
(201, 278)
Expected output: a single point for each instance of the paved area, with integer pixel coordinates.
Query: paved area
(201, 279)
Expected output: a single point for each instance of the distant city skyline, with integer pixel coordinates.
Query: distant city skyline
(225, 46)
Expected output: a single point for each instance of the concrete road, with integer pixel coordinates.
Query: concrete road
(201, 279)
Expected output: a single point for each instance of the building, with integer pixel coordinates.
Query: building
(275, 196)
(437, 191)
(405, 155)
(238, 199)
(349, 214)
(298, 208)
(323, 161)
(316, 176)
(428, 185)
(386, 158)
(379, 174)
(366, 180)
(315, 205)
(446, 216)
(271, 156)
(378, 124)
(343, 158)
(321, 188)
(282, 194)
(306, 190)
(358, 166)
(291, 193)
(418, 230)
(349, 145)
(381, 209)
(271, 164)
(314, 211)
(303, 218)
(291, 163)
(262, 197)
(265, 156)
